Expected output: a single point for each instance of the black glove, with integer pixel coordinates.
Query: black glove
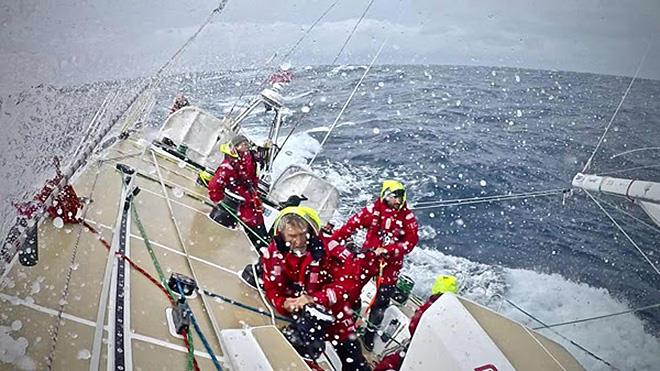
(315, 246)
(280, 244)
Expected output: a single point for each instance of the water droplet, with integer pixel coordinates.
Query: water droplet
(182, 164)
(304, 109)
(16, 325)
(84, 354)
(58, 223)
(178, 192)
(482, 183)
(376, 131)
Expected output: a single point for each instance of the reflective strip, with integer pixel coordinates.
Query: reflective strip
(409, 216)
(332, 245)
(332, 296)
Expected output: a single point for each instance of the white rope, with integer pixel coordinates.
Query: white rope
(489, 199)
(348, 101)
(624, 233)
(350, 35)
(207, 307)
(623, 98)
(628, 169)
(654, 228)
(634, 150)
(263, 297)
(455, 200)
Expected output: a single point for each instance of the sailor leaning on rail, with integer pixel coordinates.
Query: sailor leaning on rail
(238, 174)
(392, 232)
(302, 279)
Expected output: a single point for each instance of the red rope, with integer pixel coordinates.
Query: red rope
(145, 274)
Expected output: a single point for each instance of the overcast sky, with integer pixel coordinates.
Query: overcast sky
(66, 42)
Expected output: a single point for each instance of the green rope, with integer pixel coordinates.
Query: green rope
(231, 212)
(191, 351)
(154, 259)
(161, 277)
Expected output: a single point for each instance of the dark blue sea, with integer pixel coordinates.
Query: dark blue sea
(447, 132)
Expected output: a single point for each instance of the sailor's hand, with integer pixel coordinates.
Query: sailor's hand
(268, 144)
(296, 304)
(380, 251)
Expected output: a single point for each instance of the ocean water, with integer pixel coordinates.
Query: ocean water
(447, 132)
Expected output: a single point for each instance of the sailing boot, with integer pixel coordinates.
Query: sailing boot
(248, 274)
(368, 338)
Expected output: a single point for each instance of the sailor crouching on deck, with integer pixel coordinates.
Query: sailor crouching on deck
(392, 232)
(303, 280)
(237, 174)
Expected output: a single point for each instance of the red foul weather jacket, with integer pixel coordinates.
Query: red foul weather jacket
(328, 280)
(394, 230)
(239, 176)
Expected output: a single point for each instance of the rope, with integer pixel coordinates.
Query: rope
(254, 272)
(488, 199)
(243, 306)
(205, 305)
(624, 233)
(352, 31)
(286, 55)
(598, 317)
(159, 73)
(348, 101)
(209, 350)
(150, 249)
(590, 353)
(65, 291)
(633, 151)
(163, 288)
(654, 228)
(616, 111)
(628, 169)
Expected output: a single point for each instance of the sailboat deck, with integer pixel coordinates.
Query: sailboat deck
(35, 295)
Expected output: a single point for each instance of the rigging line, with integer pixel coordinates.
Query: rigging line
(286, 55)
(650, 226)
(353, 31)
(634, 150)
(616, 111)
(67, 281)
(424, 203)
(592, 354)
(628, 169)
(205, 305)
(598, 317)
(158, 76)
(624, 233)
(484, 201)
(348, 101)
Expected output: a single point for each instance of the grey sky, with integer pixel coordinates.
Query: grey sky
(77, 41)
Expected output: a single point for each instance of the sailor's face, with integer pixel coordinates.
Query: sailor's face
(241, 147)
(295, 238)
(393, 201)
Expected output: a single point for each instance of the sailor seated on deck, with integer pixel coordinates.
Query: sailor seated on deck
(303, 280)
(237, 178)
(391, 234)
(443, 284)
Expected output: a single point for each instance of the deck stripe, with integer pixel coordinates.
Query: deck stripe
(70, 317)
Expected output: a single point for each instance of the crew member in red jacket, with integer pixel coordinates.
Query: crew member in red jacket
(238, 174)
(391, 234)
(303, 280)
(443, 284)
